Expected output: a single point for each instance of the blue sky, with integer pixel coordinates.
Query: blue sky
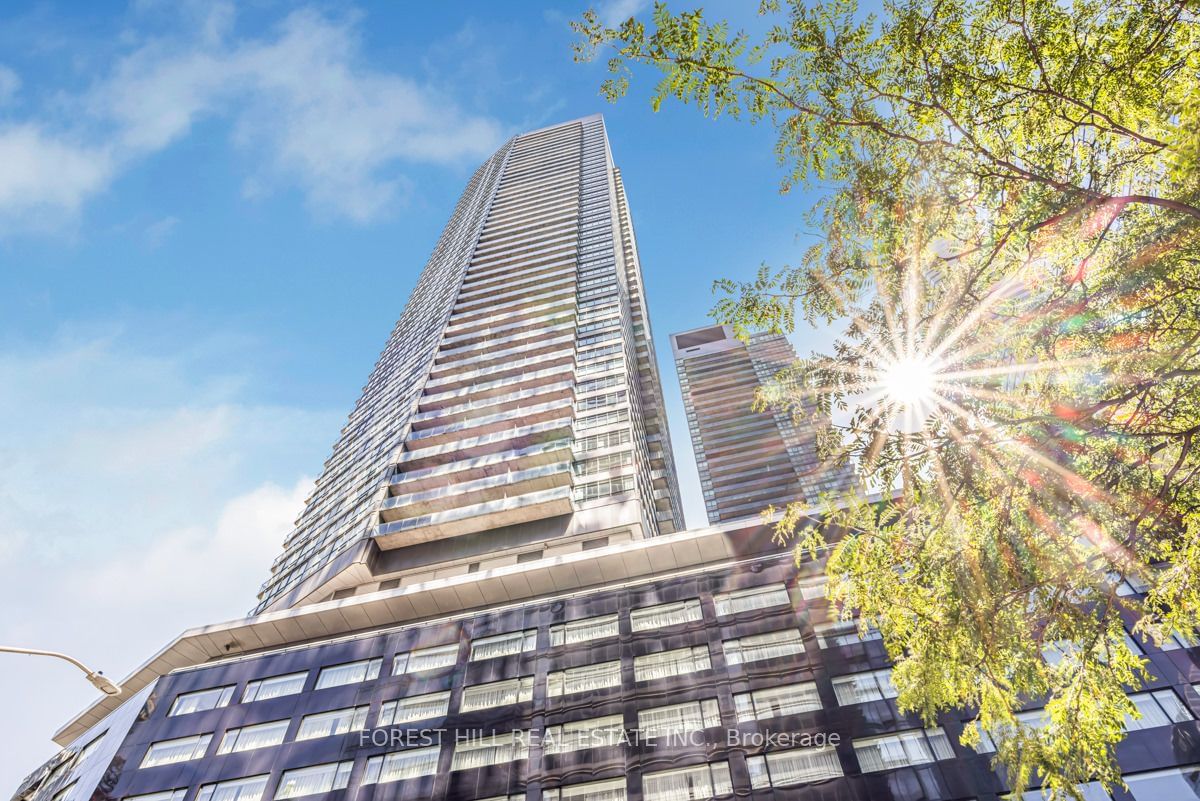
(210, 218)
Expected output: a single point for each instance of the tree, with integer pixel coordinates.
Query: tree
(1013, 243)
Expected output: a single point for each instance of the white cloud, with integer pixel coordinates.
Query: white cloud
(300, 101)
(136, 499)
(159, 231)
(614, 12)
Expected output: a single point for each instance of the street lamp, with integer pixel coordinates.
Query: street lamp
(98, 679)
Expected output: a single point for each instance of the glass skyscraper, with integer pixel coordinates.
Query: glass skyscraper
(517, 403)
(489, 594)
(748, 460)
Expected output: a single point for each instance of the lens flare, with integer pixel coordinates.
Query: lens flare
(909, 382)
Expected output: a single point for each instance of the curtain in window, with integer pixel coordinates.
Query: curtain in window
(248, 738)
(677, 718)
(583, 679)
(497, 693)
(893, 751)
(248, 789)
(310, 781)
(180, 750)
(797, 767)
(400, 765)
(671, 663)
(862, 687)
(425, 659)
(654, 617)
(326, 724)
(687, 784)
(503, 645)
(577, 631)
(478, 753)
(592, 733)
(731, 603)
(764, 646)
(275, 687)
(611, 790)
(779, 701)
(350, 673)
(419, 707)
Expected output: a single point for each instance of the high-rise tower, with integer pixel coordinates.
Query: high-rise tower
(517, 404)
(748, 460)
(484, 598)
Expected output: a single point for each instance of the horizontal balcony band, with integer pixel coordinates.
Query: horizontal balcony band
(516, 279)
(557, 450)
(478, 426)
(529, 334)
(517, 310)
(524, 294)
(479, 517)
(477, 491)
(478, 407)
(530, 265)
(521, 350)
(501, 370)
(487, 389)
(531, 325)
(509, 439)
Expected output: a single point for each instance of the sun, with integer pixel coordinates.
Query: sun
(909, 382)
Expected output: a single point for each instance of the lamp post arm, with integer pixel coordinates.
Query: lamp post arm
(98, 679)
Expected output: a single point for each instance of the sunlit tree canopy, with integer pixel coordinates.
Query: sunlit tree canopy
(1011, 239)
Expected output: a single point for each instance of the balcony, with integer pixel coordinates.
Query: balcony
(477, 517)
(492, 404)
(432, 401)
(497, 442)
(478, 426)
(500, 370)
(478, 491)
(522, 350)
(493, 464)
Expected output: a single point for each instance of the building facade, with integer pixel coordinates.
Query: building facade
(504, 631)
(747, 460)
(517, 405)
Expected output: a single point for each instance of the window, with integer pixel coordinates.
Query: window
(842, 632)
(168, 752)
(1175, 784)
(731, 603)
(1156, 708)
(478, 752)
(590, 628)
(497, 693)
(591, 733)
(274, 687)
(247, 738)
(688, 784)
(600, 489)
(593, 544)
(774, 702)
(418, 707)
(504, 644)
(441, 656)
(813, 589)
(608, 790)
(247, 789)
(857, 688)
(583, 679)
(399, 765)
(1180, 640)
(201, 700)
(327, 724)
(649, 618)
(89, 749)
(1092, 791)
(528, 556)
(757, 647)
(794, 767)
(671, 663)
(165, 795)
(679, 718)
(313, 780)
(348, 673)
(905, 748)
